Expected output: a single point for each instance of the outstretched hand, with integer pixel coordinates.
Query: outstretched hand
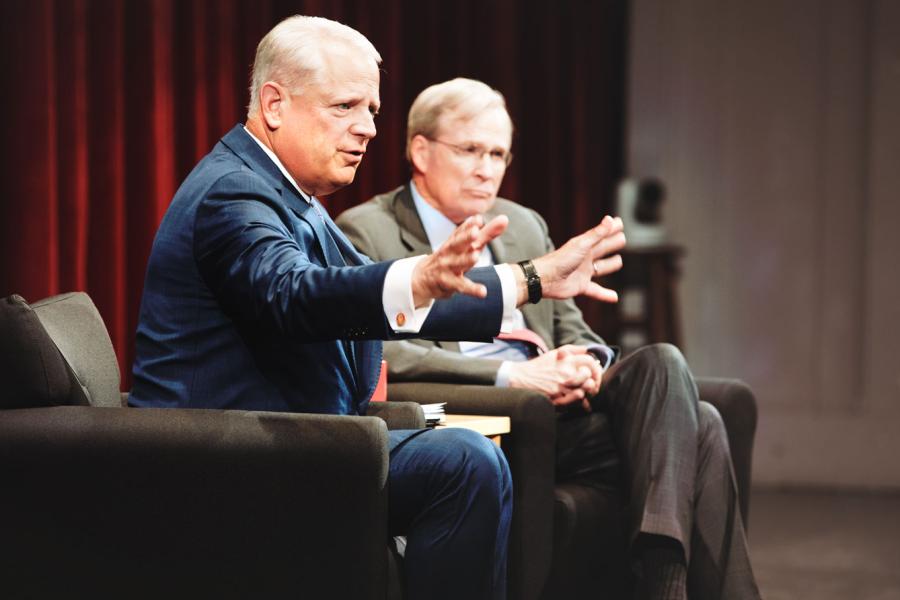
(441, 274)
(568, 271)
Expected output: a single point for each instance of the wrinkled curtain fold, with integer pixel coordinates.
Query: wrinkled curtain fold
(109, 104)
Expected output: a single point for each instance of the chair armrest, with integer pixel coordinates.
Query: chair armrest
(529, 448)
(101, 501)
(736, 403)
(398, 415)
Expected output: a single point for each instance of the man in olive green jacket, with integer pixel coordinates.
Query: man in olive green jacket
(637, 421)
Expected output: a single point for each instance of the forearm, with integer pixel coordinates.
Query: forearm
(424, 361)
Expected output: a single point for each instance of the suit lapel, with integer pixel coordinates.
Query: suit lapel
(326, 242)
(243, 145)
(504, 245)
(412, 232)
(349, 255)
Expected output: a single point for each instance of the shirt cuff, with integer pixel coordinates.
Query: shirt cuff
(397, 297)
(508, 286)
(604, 354)
(503, 374)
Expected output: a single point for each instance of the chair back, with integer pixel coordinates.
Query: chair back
(77, 329)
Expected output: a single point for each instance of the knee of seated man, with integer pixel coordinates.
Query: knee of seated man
(661, 354)
(472, 458)
(660, 358)
(660, 363)
(712, 427)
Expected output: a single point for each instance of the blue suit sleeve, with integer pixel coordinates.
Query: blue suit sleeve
(264, 268)
(463, 317)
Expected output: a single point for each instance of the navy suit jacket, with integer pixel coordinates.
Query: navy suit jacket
(247, 305)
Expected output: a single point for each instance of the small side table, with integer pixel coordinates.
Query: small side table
(648, 305)
(491, 427)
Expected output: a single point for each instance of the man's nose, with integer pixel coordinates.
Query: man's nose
(364, 126)
(485, 167)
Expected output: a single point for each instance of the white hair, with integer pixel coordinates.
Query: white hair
(461, 98)
(292, 53)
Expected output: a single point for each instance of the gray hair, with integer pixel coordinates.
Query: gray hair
(464, 98)
(292, 53)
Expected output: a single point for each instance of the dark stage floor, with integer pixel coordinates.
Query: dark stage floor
(826, 545)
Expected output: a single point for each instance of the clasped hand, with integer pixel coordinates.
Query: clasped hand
(567, 374)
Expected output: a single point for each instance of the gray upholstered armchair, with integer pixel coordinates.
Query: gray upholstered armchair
(567, 541)
(100, 500)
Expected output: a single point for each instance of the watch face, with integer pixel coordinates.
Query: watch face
(532, 281)
(534, 289)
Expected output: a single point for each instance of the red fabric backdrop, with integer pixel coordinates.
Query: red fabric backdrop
(109, 104)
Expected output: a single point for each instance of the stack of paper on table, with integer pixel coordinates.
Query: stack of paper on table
(434, 413)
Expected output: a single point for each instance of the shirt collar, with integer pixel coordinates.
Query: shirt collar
(280, 166)
(437, 227)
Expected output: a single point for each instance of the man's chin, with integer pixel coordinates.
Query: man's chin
(481, 204)
(342, 178)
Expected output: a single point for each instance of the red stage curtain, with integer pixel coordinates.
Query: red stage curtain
(109, 104)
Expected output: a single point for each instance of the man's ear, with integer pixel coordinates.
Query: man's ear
(272, 98)
(419, 149)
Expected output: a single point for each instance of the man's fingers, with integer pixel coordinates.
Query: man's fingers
(491, 230)
(572, 349)
(568, 397)
(582, 375)
(596, 234)
(466, 233)
(605, 266)
(598, 292)
(466, 286)
(473, 221)
(609, 244)
(590, 361)
(607, 227)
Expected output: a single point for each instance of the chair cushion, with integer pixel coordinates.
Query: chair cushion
(76, 327)
(33, 373)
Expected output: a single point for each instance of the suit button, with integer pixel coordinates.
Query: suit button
(401, 319)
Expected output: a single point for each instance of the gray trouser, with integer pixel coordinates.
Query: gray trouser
(650, 434)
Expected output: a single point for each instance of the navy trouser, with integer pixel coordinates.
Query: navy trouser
(450, 494)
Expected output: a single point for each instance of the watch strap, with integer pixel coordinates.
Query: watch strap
(532, 281)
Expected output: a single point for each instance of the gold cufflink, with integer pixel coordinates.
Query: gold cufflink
(401, 319)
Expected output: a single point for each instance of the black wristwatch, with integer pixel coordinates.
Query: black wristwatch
(532, 280)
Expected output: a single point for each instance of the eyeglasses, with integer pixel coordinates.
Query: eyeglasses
(475, 153)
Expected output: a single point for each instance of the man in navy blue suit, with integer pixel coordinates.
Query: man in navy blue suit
(253, 298)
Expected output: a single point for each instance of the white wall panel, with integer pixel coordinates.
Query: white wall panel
(776, 128)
